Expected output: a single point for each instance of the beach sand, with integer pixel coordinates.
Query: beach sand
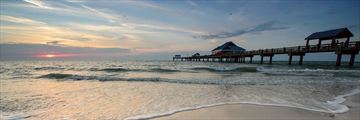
(258, 112)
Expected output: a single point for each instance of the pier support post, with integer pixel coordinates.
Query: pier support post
(338, 60)
(251, 59)
(307, 45)
(270, 62)
(290, 59)
(220, 59)
(352, 59)
(319, 45)
(301, 60)
(262, 59)
(244, 59)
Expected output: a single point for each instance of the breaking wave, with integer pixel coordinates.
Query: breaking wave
(161, 70)
(67, 76)
(258, 81)
(239, 69)
(48, 68)
(111, 69)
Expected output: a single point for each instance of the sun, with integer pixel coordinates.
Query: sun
(49, 55)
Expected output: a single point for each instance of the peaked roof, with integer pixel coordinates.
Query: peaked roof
(196, 54)
(229, 46)
(330, 34)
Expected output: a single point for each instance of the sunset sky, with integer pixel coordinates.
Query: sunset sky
(31, 28)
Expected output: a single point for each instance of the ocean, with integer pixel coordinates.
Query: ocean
(148, 89)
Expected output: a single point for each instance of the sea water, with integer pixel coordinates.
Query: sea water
(147, 89)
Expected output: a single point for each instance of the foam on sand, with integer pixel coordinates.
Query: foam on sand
(336, 105)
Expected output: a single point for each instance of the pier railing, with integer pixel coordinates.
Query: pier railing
(355, 45)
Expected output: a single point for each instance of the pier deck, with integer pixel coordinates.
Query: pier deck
(352, 49)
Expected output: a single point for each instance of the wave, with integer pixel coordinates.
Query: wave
(337, 107)
(48, 68)
(239, 69)
(311, 72)
(111, 69)
(61, 77)
(67, 76)
(161, 70)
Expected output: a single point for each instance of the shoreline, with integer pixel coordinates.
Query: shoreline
(261, 112)
(264, 111)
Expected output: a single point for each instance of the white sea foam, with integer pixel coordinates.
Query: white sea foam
(341, 99)
(336, 105)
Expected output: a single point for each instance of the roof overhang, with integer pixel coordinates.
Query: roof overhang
(330, 34)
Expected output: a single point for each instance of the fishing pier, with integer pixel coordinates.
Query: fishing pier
(229, 52)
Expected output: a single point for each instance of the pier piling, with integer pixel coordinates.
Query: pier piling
(352, 59)
(301, 59)
(290, 59)
(338, 59)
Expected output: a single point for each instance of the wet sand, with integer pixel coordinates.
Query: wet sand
(258, 112)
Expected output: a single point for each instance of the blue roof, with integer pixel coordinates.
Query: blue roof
(229, 46)
(330, 34)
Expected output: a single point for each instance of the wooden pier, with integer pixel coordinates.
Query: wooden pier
(343, 48)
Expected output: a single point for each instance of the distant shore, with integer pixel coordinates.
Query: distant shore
(259, 112)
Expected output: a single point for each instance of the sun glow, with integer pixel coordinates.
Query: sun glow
(49, 55)
(55, 55)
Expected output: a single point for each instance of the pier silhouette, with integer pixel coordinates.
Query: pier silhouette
(340, 45)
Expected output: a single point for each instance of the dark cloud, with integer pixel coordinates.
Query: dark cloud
(28, 51)
(268, 26)
(54, 43)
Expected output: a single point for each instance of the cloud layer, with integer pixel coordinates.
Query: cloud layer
(267, 26)
(31, 51)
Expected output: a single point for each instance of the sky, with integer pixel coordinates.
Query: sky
(158, 29)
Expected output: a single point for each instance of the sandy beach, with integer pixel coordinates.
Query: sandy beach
(258, 112)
